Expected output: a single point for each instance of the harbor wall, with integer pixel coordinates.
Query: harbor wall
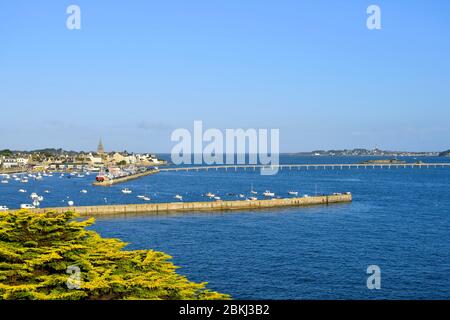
(162, 208)
(108, 183)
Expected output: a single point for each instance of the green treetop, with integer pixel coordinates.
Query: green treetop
(40, 255)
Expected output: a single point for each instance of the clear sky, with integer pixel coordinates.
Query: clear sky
(139, 69)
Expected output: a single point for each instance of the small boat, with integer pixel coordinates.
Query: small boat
(16, 179)
(34, 195)
(217, 198)
(84, 191)
(70, 203)
(178, 197)
(146, 199)
(210, 195)
(80, 176)
(24, 180)
(293, 193)
(253, 191)
(253, 198)
(46, 191)
(305, 196)
(127, 191)
(268, 194)
(26, 206)
(3, 208)
(5, 181)
(141, 197)
(22, 191)
(241, 196)
(36, 203)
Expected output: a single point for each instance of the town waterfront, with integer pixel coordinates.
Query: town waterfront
(398, 220)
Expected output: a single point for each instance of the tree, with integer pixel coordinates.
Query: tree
(38, 250)
(122, 163)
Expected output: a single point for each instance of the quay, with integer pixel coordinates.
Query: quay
(111, 182)
(164, 208)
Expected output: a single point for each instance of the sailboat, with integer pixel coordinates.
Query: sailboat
(253, 191)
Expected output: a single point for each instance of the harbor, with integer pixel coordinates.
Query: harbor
(204, 206)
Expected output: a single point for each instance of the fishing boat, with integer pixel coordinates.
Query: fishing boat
(268, 194)
(127, 191)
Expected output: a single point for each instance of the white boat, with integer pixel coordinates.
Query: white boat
(217, 198)
(5, 181)
(26, 206)
(127, 191)
(293, 193)
(141, 197)
(253, 198)
(84, 191)
(24, 180)
(253, 191)
(3, 208)
(268, 194)
(241, 196)
(178, 197)
(46, 191)
(22, 191)
(16, 179)
(70, 203)
(36, 203)
(210, 195)
(305, 196)
(146, 199)
(34, 196)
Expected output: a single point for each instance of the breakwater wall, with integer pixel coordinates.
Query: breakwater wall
(108, 183)
(162, 208)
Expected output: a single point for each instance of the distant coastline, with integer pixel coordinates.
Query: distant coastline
(372, 153)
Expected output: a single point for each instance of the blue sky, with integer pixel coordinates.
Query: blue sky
(139, 69)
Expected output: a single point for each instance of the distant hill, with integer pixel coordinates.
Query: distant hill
(445, 154)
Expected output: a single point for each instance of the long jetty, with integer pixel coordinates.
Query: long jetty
(165, 208)
(419, 165)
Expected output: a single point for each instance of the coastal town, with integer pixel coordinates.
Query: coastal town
(68, 161)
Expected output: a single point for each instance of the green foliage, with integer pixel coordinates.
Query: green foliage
(36, 251)
(6, 153)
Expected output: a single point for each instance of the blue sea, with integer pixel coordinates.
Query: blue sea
(399, 220)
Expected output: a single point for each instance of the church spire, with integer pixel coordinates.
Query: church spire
(100, 148)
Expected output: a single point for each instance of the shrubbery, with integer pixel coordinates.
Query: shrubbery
(37, 250)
